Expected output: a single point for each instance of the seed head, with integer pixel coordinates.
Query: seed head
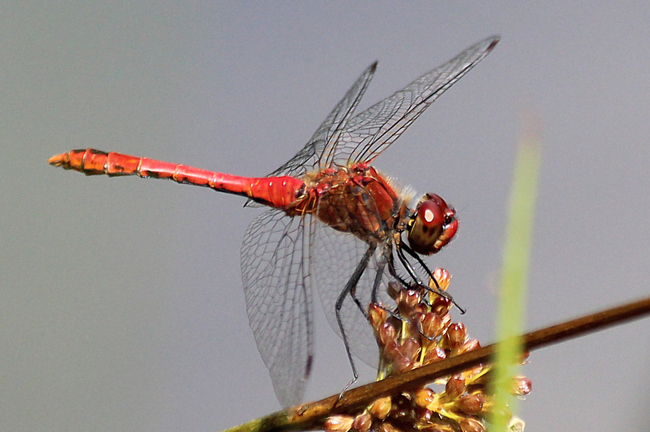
(418, 330)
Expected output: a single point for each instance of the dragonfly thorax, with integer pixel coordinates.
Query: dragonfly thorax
(432, 225)
(355, 199)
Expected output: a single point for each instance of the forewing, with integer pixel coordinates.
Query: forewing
(274, 257)
(372, 131)
(328, 131)
(336, 256)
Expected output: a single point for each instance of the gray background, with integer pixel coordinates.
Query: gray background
(121, 305)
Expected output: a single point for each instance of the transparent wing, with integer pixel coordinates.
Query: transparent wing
(372, 131)
(274, 257)
(336, 256)
(328, 131)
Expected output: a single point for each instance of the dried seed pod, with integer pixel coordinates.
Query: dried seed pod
(443, 277)
(402, 364)
(411, 348)
(469, 346)
(376, 315)
(387, 334)
(338, 423)
(470, 403)
(362, 422)
(456, 335)
(431, 325)
(441, 305)
(424, 397)
(409, 300)
(521, 386)
(387, 427)
(455, 386)
(380, 408)
(470, 424)
(433, 355)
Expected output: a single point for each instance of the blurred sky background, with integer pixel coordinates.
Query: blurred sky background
(121, 307)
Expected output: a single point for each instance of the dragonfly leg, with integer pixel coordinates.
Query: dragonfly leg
(385, 257)
(349, 289)
(435, 290)
(393, 272)
(375, 288)
(353, 294)
(411, 271)
(400, 247)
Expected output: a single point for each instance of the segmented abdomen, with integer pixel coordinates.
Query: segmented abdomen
(272, 191)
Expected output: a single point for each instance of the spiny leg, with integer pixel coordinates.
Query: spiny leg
(437, 289)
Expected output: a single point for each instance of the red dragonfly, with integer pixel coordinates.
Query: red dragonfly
(334, 225)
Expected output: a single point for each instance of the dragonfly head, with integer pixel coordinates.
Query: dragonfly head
(432, 225)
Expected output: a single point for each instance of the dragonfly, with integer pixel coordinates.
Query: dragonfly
(334, 224)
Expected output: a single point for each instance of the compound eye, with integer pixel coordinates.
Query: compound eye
(431, 215)
(433, 225)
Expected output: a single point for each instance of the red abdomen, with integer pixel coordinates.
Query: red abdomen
(277, 192)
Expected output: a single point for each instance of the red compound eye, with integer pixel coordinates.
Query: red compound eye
(431, 214)
(433, 225)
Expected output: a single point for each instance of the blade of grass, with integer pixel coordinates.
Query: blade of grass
(516, 257)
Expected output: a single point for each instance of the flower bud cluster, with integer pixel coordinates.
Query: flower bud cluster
(417, 332)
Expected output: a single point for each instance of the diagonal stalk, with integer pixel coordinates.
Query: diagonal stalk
(311, 415)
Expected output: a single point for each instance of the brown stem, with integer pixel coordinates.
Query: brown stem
(312, 415)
